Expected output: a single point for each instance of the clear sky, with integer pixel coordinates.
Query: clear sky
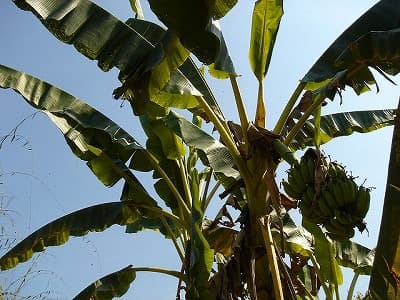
(41, 180)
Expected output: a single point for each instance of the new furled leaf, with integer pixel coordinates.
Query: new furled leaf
(265, 24)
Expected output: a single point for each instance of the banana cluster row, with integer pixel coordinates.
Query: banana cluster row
(328, 196)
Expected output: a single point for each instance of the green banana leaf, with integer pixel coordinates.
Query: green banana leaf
(198, 32)
(365, 266)
(383, 16)
(343, 124)
(219, 8)
(298, 241)
(113, 285)
(91, 135)
(384, 280)
(100, 36)
(218, 156)
(325, 254)
(377, 49)
(355, 256)
(166, 147)
(193, 73)
(151, 218)
(92, 219)
(267, 15)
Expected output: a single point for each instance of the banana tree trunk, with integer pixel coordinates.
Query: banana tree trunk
(385, 277)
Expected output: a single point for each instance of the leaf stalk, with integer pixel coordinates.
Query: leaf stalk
(288, 108)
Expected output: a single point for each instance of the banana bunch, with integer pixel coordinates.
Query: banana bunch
(328, 196)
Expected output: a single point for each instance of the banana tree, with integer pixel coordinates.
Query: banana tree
(263, 253)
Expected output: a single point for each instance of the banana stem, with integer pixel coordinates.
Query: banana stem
(173, 273)
(337, 292)
(321, 277)
(174, 241)
(244, 120)
(260, 110)
(307, 292)
(288, 108)
(172, 187)
(207, 181)
(352, 285)
(225, 136)
(317, 101)
(272, 259)
(211, 194)
(185, 182)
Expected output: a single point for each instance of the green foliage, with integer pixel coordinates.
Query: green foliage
(224, 258)
(113, 285)
(96, 218)
(267, 15)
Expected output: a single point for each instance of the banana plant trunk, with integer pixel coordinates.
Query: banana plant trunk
(385, 276)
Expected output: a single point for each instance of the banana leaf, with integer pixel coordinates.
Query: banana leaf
(343, 124)
(166, 147)
(383, 16)
(113, 285)
(100, 36)
(91, 219)
(298, 241)
(355, 256)
(88, 132)
(365, 266)
(267, 15)
(196, 29)
(385, 274)
(325, 254)
(377, 49)
(218, 156)
(219, 8)
(91, 136)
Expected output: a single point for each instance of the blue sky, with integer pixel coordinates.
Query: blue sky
(46, 182)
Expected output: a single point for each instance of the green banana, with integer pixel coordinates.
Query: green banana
(362, 201)
(305, 209)
(307, 178)
(345, 236)
(349, 188)
(343, 218)
(336, 171)
(294, 185)
(296, 180)
(336, 188)
(290, 191)
(325, 207)
(311, 169)
(317, 216)
(329, 198)
(335, 227)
